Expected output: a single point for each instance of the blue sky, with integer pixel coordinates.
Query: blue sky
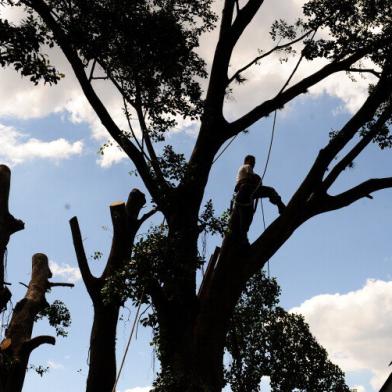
(335, 269)
(333, 253)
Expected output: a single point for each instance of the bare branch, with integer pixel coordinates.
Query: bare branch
(244, 17)
(88, 278)
(266, 54)
(148, 215)
(357, 149)
(24, 284)
(313, 180)
(55, 284)
(330, 203)
(366, 70)
(296, 66)
(92, 70)
(150, 148)
(299, 88)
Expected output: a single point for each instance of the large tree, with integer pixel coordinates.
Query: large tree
(146, 49)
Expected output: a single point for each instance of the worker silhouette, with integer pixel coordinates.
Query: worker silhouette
(248, 190)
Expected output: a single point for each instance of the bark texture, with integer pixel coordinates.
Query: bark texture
(18, 341)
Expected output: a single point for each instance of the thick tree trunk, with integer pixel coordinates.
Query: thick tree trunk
(102, 364)
(18, 335)
(102, 370)
(8, 226)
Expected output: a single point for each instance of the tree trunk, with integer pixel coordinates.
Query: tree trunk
(18, 335)
(8, 226)
(102, 370)
(102, 364)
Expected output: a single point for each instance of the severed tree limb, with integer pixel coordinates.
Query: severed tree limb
(57, 284)
(20, 328)
(102, 369)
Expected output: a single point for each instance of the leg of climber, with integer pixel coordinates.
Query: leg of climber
(273, 196)
(243, 210)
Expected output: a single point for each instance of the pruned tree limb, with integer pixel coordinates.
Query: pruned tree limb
(59, 284)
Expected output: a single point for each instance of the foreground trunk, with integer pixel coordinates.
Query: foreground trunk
(102, 370)
(102, 364)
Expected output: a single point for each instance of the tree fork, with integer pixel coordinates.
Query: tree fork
(20, 344)
(102, 366)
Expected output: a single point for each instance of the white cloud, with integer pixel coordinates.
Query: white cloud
(17, 147)
(65, 271)
(23, 100)
(54, 365)
(139, 389)
(358, 388)
(355, 328)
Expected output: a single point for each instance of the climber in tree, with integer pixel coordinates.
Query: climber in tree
(248, 190)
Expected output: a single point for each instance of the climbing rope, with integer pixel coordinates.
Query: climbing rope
(225, 148)
(129, 342)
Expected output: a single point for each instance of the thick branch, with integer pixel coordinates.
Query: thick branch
(301, 87)
(88, 279)
(362, 190)
(34, 343)
(244, 17)
(313, 180)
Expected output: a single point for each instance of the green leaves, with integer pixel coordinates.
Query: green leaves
(58, 316)
(351, 26)
(265, 340)
(20, 47)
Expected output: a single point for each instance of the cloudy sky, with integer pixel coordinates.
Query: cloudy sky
(336, 269)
